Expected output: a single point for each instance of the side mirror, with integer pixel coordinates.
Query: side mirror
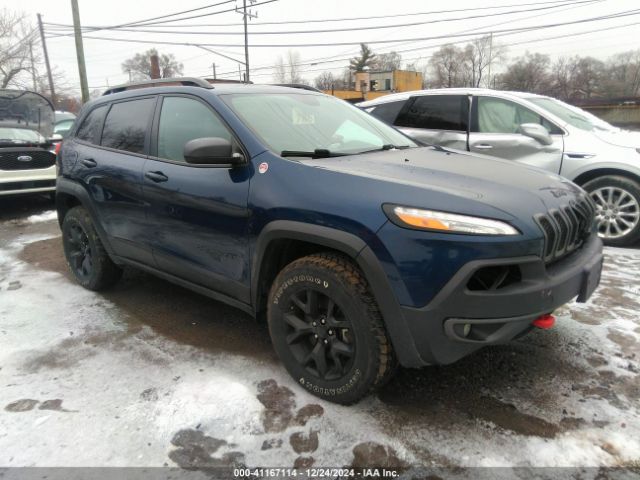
(537, 132)
(56, 137)
(211, 151)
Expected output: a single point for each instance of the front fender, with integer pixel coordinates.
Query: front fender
(355, 248)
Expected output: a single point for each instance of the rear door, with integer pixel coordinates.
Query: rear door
(495, 125)
(198, 213)
(436, 119)
(113, 142)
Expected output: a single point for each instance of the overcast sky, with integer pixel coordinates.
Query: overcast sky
(104, 58)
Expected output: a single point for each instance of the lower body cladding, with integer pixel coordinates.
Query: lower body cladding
(494, 301)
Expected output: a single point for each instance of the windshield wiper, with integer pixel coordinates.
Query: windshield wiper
(387, 146)
(317, 153)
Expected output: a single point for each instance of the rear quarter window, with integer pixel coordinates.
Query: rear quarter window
(89, 131)
(388, 112)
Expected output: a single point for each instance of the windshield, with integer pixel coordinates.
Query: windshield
(572, 115)
(292, 122)
(20, 135)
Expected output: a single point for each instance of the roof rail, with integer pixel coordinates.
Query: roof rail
(301, 86)
(160, 82)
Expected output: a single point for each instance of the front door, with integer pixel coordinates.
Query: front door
(198, 213)
(495, 127)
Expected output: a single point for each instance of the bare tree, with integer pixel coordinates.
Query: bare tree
(561, 78)
(587, 76)
(139, 66)
(447, 65)
(287, 68)
(15, 37)
(479, 56)
(325, 81)
(388, 61)
(366, 59)
(622, 77)
(529, 73)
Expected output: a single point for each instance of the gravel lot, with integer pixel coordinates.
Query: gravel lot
(150, 374)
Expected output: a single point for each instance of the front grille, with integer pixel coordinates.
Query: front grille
(566, 228)
(39, 159)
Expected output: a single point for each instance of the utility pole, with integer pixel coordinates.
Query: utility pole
(82, 70)
(246, 16)
(490, 59)
(46, 61)
(214, 70)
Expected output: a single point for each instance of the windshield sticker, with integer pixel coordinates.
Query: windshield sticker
(300, 117)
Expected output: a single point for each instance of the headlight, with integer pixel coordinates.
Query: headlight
(446, 222)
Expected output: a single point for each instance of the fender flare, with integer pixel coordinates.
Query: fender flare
(355, 248)
(69, 187)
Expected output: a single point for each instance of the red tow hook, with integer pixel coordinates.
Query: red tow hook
(544, 322)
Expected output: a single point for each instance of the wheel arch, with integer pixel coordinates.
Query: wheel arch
(283, 241)
(589, 175)
(69, 195)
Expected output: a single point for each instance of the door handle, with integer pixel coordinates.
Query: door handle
(483, 146)
(89, 162)
(157, 177)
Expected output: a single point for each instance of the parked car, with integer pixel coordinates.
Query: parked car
(535, 130)
(64, 122)
(362, 248)
(27, 156)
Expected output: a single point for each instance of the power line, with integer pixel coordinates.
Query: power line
(203, 14)
(373, 27)
(141, 22)
(311, 63)
(393, 47)
(324, 20)
(437, 37)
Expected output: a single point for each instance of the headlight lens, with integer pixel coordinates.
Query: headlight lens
(446, 222)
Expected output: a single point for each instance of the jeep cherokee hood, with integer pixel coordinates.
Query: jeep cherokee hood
(498, 183)
(28, 110)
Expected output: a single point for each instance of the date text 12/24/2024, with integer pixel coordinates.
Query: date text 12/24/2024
(317, 472)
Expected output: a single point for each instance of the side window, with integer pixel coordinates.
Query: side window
(126, 125)
(387, 112)
(183, 119)
(495, 115)
(89, 131)
(437, 112)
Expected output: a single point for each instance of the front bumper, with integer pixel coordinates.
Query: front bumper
(27, 181)
(460, 320)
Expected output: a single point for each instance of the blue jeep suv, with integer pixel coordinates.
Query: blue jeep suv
(361, 248)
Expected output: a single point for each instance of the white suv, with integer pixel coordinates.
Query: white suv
(535, 130)
(27, 152)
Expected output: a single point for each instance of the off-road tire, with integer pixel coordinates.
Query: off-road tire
(629, 185)
(104, 273)
(337, 278)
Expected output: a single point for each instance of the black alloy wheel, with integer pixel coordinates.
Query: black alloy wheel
(320, 335)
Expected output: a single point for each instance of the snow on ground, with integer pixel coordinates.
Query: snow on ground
(149, 375)
(43, 217)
